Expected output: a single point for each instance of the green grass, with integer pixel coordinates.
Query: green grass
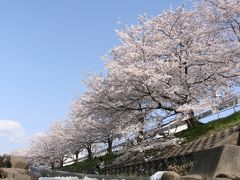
(202, 129)
(88, 165)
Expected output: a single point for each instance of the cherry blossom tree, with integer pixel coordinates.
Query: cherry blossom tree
(73, 139)
(40, 152)
(104, 129)
(49, 148)
(82, 132)
(172, 62)
(59, 142)
(105, 102)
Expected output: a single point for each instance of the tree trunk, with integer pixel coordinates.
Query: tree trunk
(52, 165)
(141, 132)
(61, 163)
(89, 150)
(191, 121)
(109, 149)
(76, 156)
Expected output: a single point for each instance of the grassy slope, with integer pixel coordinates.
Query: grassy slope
(87, 166)
(190, 134)
(202, 129)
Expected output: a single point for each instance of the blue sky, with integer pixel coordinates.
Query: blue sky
(46, 47)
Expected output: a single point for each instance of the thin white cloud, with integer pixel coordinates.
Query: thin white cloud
(12, 130)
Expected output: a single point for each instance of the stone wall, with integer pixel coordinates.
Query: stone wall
(217, 162)
(179, 164)
(178, 159)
